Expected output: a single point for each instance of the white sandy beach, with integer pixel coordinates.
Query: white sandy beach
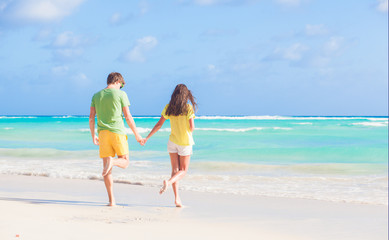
(49, 208)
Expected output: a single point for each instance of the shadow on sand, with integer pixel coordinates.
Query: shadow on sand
(76, 203)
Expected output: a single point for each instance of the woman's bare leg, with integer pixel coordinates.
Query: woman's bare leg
(175, 168)
(183, 169)
(180, 163)
(175, 162)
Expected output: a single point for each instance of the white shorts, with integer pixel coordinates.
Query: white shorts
(181, 150)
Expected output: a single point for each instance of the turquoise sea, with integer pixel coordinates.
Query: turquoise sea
(325, 158)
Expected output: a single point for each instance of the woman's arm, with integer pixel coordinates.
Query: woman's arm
(191, 124)
(155, 129)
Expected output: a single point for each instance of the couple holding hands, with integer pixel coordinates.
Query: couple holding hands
(111, 103)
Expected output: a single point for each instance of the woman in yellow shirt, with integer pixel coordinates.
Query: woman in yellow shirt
(181, 116)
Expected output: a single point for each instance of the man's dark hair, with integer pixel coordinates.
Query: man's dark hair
(114, 77)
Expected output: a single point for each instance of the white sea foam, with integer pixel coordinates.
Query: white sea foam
(230, 129)
(378, 119)
(371, 124)
(16, 117)
(363, 183)
(147, 117)
(303, 123)
(68, 116)
(358, 189)
(84, 130)
(282, 128)
(368, 190)
(285, 118)
(265, 117)
(8, 128)
(147, 130)
(240, 117)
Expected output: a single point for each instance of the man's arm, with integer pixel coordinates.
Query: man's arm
(92, 115)
(131, 124)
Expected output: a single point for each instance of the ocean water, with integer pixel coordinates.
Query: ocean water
(343, 159)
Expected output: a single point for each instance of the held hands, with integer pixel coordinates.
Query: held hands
(142, 141)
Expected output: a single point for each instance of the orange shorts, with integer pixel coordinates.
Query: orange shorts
(112, 144)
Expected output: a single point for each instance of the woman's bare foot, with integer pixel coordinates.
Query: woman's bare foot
(108, 166)
(111, 204)
(164, 187)
(178, 203)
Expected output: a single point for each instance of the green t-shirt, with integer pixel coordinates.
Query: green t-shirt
(109, 104)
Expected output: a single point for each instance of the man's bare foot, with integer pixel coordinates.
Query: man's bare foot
(164, 187)
(107, 167)
(111, 204)
(178, 203)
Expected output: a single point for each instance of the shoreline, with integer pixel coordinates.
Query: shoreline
(34, 207)
(137, 183)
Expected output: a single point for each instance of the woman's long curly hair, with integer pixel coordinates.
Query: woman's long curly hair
(178, 102)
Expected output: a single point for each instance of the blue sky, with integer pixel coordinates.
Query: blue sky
(246, 57)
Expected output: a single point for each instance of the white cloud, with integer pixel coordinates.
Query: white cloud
(217, 2)
(289, 2)
(144, 7)
(118, 18)
(333, 45)
(382, 5)
(27, 11)
(68, 45)
(143, 45)
(3, 5)
(81, 80)
(213, 69)
(67, 39)
(115, 18)
(59, 70)
(205, 2)
(314, 30)
(294, 52)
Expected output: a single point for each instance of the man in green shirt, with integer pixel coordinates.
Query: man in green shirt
(109, 104)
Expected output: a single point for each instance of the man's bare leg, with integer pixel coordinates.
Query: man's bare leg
(107, 165)
(108, 162)
(108, 181)
(122, 162)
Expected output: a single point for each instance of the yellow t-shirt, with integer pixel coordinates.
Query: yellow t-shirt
(180, 134)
